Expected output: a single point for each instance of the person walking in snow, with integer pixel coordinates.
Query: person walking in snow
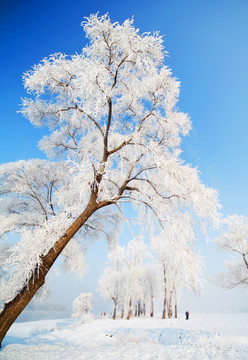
(187, 315)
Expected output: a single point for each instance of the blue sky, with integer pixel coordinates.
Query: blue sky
(207, 41)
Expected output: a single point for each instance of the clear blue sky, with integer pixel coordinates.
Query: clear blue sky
(207, 41)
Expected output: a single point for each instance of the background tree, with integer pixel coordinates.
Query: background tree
(82, 305)
(114, 127)
(234, 239)
(133, 272)
(162, 249)
(180, 265)
(151, 284)
(109, 283)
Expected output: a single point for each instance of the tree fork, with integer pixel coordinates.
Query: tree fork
(13, 308)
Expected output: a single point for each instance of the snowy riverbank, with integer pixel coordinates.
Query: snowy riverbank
(203, 336)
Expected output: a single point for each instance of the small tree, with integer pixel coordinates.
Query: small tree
(234, 239)
(82, 305)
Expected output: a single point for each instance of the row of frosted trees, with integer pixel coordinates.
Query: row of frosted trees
(134, 276)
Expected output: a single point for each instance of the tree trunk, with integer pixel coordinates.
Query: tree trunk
(164, 309)
(114, 311)
(152, 305)
(122, 310)
(170, 306)
(13, 308)
(129, 309)
(139, 308)
(165, 295)
(144, 308)
(175, 310)
(175, 299)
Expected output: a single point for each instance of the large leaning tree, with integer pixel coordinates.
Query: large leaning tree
(113, 137)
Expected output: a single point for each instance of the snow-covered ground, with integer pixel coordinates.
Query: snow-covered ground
(203, 336)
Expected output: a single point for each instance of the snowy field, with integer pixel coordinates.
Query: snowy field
(203, 336)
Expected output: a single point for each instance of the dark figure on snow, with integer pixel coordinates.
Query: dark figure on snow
(187, 315)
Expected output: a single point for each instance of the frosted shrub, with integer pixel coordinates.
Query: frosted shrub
(81, 307)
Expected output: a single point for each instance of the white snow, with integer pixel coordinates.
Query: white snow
(203, 336)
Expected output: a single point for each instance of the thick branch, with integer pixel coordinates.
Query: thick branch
(123, 187)
(105, 140)
(245, 261)
(36, 197)
(154, 188)
(128, 141)
(90, 117)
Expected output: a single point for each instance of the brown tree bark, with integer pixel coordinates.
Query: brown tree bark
(175, 299)
(175, 315)
(152, 305)
(139, 308)
(144, 308)
(114, 311)
(123, 309)
(170, 305)
(165, 294)
(129, 309)
(13, 308)
(164, 309)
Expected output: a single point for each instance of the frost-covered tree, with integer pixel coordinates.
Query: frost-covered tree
(234, 239)
(109, 283)
(114, 134)
(82, 305)
(123, 277)
(180, 265)
(163, 251)
(150, 283)
(133, 272)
